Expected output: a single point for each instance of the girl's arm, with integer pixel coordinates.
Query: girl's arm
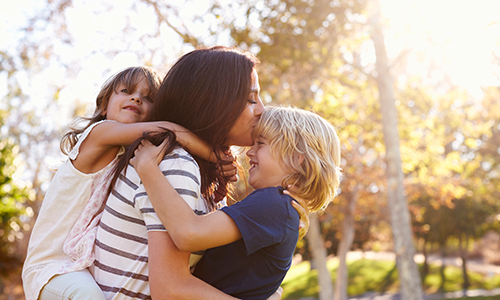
(109, 134)
(189, 231)
(104, 140)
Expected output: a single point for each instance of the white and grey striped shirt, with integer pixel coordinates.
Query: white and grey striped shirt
(121, 265)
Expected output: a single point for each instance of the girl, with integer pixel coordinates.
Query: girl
(122, 108)
(255, 238)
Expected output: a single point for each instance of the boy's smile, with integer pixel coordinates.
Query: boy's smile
(265, 170)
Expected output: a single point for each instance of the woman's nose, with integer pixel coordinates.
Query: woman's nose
(260, 108)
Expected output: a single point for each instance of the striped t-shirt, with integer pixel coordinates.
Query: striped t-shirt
(121, 265)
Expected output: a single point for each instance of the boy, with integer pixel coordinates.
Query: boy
(255, 238)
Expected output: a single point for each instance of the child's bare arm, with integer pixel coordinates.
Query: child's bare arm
(109, 134)
(189, 231)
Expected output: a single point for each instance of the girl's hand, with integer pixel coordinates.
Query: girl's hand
(147, 155)
(300, 206)
(276, 295)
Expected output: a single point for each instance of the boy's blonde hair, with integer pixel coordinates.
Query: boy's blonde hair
(306, 145)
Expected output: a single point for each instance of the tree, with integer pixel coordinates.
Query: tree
(411, 286)
(13, 210)
(317, 247)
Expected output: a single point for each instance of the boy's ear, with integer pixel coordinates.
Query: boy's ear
(301, 158)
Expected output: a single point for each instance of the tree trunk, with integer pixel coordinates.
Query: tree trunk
(411, 286)
(318, 250)
(340, 291)
(463, 256)
(425, 267)
(442, 249)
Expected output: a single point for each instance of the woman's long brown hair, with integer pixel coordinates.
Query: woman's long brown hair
(205, 91)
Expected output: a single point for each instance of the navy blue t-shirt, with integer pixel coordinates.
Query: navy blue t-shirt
(254, 266)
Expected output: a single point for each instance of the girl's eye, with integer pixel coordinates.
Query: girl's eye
(251, 101)
(149, 100)
(124, 91)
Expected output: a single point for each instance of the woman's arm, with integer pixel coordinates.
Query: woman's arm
(189, 231)
(301, 207)
(169, 275)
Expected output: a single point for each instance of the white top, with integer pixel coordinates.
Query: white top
(64, 202)
(121, 249)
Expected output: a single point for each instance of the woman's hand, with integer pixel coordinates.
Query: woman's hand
(228, 167)
(300, 206)
(276, 295)
(147, 155)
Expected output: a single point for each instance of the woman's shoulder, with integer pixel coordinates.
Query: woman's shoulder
(180, 154)
(179, 158)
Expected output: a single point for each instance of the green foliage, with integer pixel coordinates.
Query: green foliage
(377, 276)
(477, 298)
(300, 43)
(12, 199)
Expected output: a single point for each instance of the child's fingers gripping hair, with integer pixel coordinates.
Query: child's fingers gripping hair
(147, 152)
(165, 137)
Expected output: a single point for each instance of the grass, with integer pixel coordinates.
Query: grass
(381, 276)
(477, 298)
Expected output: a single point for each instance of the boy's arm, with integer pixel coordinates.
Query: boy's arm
(189, 231)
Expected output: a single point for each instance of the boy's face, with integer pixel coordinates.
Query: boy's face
(265, 170)
(129, 106)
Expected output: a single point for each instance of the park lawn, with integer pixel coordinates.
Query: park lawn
(380, 276)
(477, 298)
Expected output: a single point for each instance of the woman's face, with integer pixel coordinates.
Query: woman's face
(241, 132)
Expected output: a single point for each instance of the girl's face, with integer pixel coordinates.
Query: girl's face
(127, 106)
(242, 131)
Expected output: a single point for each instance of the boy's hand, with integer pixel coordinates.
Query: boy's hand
(300, 206)
(147, 155)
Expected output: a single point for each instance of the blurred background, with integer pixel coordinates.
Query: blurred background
(424, 195)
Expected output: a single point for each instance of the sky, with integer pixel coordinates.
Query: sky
(463, 33)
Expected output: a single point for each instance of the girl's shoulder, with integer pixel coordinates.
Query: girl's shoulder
(73, 154)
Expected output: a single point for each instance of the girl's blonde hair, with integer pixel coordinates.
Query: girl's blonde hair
(306, 145)
(129, 77)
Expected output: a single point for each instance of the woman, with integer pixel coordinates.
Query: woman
(215, 94)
